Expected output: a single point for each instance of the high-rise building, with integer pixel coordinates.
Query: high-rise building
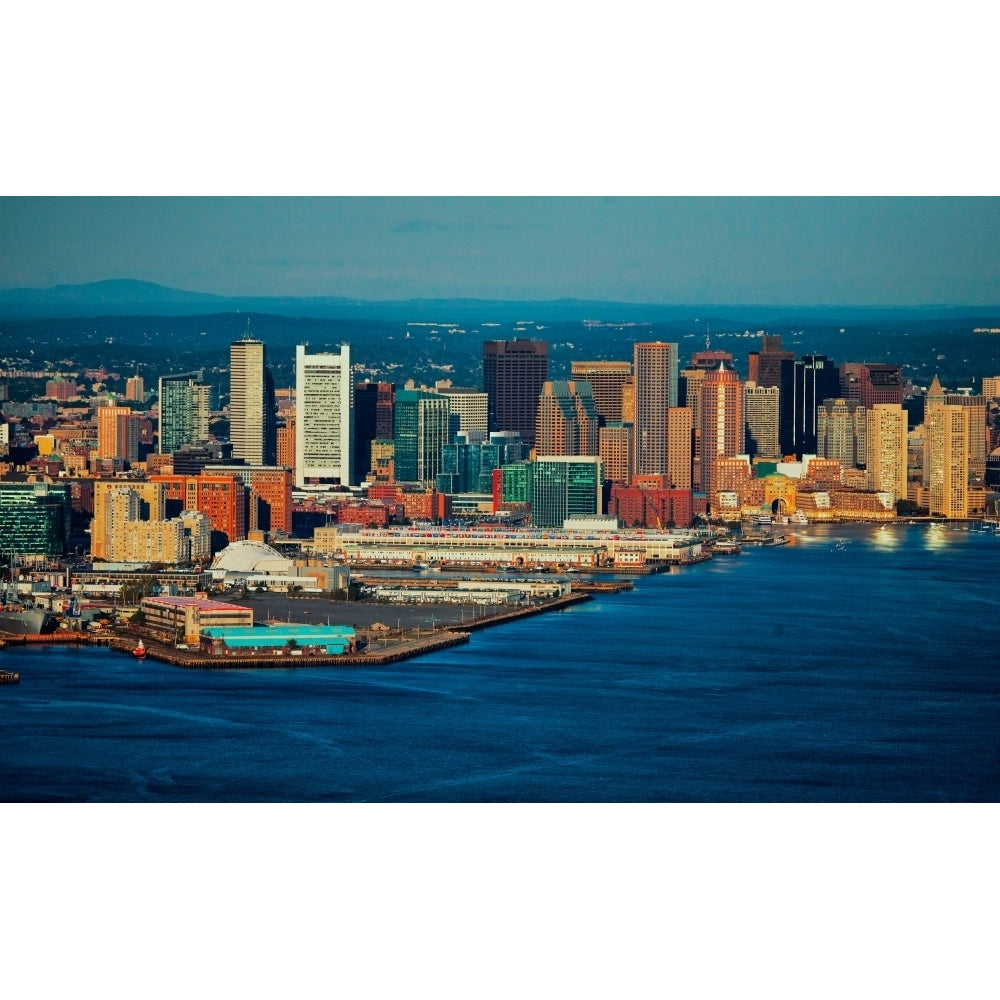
(607, 379)
(183, 406)
(948, 430)
(567, 421)
(816, 379)
(615, 449)
(285, 442)
(886, 449)
(680, 453)
(135, 389)
(114, 505)
(978, 438)
(655, 373)
(564, 486)
(871, 383)
(773, 367)
(722, 424)
(470, 410)
(252, 424)
(221, 498)
(422, 431)
(991, 405)
(842, 432)
(324, 430)
(373, 421)
(117, 433)
(35, 519)
(514, 372)
(269, 494)
(762, 412)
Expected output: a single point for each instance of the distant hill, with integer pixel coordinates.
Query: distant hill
(125, 297)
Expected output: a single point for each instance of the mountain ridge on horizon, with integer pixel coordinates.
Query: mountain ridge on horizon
(128, 296)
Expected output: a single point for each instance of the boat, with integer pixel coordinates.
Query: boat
(418, 567)
(140, 650)
(799, 518)
(9, 677)
(727, 547)
(15, 619)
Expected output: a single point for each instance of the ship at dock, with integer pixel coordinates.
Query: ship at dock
(18, 620)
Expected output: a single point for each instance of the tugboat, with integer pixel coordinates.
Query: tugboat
(139, 651)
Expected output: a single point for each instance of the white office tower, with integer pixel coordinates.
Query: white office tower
(324, 433)
(247, 400)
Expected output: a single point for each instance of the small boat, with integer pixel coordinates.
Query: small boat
(140, 650)
(9, 677)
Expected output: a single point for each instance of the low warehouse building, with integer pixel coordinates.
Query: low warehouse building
(279, 640)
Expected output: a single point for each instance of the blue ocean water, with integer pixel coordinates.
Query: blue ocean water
(854, 664)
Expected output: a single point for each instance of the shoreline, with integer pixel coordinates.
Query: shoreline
(404, 648)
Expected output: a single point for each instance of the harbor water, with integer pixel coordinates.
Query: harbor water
(853, 664)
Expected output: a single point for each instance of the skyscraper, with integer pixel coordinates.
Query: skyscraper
(722, 428)
(373, 421)
(324, 430)
(886, 449)
(117, 433)
(842, 432)
(948, 430)
(655, 373)
(252, 422)
(184, 408)
(607, 379)
(513, 374)
(564, 486)
(567, 422)
(422, 424)
(816, 379)
(761, 409)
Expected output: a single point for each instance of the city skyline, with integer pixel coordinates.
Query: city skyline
(665, 250)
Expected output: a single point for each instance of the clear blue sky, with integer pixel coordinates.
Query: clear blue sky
(808, 251)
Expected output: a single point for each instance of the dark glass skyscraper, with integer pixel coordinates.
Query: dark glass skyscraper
(514, 372)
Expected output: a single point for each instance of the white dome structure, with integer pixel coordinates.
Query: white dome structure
(250, 558)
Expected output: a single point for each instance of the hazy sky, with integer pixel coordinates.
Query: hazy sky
(807, 251)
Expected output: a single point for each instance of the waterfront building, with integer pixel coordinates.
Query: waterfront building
(567, 422)
(655, 373)
(505, 545)
(35, 519)
(651, 502)
(373, 421)
(842, 432)
(948, 430)
(722, 423)
(184, 406)
(978, 437)
(607, 380)
(324, 430)
(183, 618)
(278, 640)
(514, 372)
(762, 412)
(886, 444)
(564, 486)
(252, 426)
(421, 432)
